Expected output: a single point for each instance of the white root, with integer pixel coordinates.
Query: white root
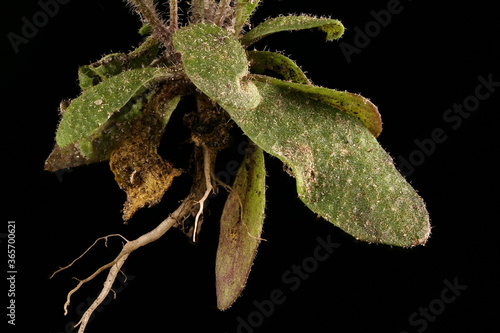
(108, 284)
(117, 263)
(87, 250)
(207, 170)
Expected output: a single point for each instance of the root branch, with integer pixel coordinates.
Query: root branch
(115, 266)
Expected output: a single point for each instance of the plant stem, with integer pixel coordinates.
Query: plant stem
(148, 13)
(222, 11)
(197, 11)
(210, 8)
(174, 18)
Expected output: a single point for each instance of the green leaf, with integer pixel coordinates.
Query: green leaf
(98, 146)
(240, 228)
(116, 63)
(144, 54)
(90, 111)
(341, 171)
(87, 77)
(145, 29)
(278, 63)
(244, 9)
(110, 65)
(216, 64)
(353, 104)
(333, 28)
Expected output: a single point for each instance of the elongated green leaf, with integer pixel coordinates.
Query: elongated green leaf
(342, 173)
(244, 9)
(264, 60)
(91, 110)
(216, 64)
(98, 146)
(353, 104)
(240, 228)
(333, 28)
(115, 63)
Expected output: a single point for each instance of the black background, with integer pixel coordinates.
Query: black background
(426, 60)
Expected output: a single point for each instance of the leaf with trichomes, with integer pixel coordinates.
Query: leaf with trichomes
(116, 63)
(240, 228)
(261, 61)
(342, 173)
(100, 118)
(333, 28)
(243, 10)
(217, 65)
(353, 104)
(98, 146)
(89, 112)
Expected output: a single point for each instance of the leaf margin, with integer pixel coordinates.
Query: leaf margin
(332, 27)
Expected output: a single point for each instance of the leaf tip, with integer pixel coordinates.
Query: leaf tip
(333, 31)
(425, 237)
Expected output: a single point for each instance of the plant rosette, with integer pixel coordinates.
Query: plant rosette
(327, 138)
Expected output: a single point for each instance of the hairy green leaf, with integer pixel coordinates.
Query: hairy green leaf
(278, 63)
(240, 228)
(341, 171)
(333, 28)
(98, 146)
(115, 63)
(90, 111)
(244, 9)
(145, 29)
(100, 143)
(353, 104)
(216, 64)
